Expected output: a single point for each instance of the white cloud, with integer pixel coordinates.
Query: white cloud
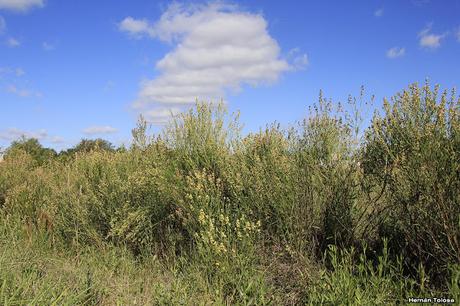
(379, 12)
(161, 115)
(23, 93)
(99, 130)
(216, 48)
(458, 34)
(135, 27)
(20, 5)
(2, 25)
(430, 40)
(396, 52)
(12, 134)
(47, 46)
(12, 42)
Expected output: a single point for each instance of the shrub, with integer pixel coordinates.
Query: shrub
(412, 155)
(326, 179)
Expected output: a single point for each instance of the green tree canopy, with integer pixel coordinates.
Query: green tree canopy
(31, 146)
(88, 145)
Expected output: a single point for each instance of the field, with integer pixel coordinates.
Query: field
(324, 212)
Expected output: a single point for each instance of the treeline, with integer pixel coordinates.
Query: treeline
(42, 155)
(322, 212)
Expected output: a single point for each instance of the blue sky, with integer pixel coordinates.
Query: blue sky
(87, 69)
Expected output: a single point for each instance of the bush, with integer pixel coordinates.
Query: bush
(412, 155)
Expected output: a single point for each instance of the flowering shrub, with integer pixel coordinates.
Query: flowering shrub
(233, 211)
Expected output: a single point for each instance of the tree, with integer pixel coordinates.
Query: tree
(32, 147)
(88, 145)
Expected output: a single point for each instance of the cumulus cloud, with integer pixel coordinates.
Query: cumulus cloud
(216, 48)
(396, 52)
(93, 130)
(23, 93)
(2, 25)
(20, 5)
(12, 42)
(161, 115)
(135, 27)
(378, 13)
(430, 40)
(12, 134)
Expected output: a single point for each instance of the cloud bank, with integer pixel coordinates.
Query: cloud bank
(216, 48)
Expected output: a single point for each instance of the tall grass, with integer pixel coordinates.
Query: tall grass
(320, 213)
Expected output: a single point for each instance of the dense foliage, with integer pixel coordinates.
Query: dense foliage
(319, 213)
(32, 147)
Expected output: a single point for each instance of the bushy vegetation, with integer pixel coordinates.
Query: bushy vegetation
(319, 213)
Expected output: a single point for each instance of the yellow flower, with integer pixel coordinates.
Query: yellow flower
(248, 225)
(202, 216)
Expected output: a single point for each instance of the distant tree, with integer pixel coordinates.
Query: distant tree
(88, 145)
(31, 146)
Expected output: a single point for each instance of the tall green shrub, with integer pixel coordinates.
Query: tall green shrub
(413, 155)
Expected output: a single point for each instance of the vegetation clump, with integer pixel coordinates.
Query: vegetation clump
(321, 213)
